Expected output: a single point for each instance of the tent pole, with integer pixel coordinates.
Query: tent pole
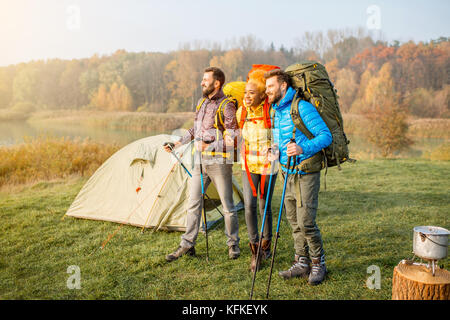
(162, 187)
(128, 218)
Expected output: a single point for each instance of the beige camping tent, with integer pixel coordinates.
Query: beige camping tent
(142, 185)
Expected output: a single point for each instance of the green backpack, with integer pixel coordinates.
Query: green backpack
(312, 83)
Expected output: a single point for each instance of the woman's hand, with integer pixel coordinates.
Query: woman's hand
(272, 153)
(229, 142)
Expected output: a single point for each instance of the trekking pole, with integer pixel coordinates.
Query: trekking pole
(203, 205)
(277, 235)
(262, 228)
(171, 145)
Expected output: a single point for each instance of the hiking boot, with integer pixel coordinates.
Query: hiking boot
(180, 252)
(318, 271)
(300, 268)
(253, 265)
(234, 251)
(265, 248)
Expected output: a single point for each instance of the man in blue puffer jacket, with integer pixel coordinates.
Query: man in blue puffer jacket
(302, 189)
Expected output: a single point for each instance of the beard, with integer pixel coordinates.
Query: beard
(208, 90)
(275, 98)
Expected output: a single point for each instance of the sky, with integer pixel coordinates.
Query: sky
(73, 29)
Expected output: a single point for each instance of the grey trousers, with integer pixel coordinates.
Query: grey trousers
(221, 176)
(251, 205)
(301, 202)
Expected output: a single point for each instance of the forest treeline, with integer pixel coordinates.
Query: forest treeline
(413, 75)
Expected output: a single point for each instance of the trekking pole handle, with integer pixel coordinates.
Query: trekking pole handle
(170, 144)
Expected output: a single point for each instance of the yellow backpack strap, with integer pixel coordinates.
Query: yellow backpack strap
(272, 115)
(218, 118)
(219, 111)
(200, 104)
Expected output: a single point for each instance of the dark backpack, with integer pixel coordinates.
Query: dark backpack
(310, 80)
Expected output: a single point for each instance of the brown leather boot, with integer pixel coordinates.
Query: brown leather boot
(265, 248)
(254, 249)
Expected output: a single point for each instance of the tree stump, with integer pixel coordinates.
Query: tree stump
(416, 282)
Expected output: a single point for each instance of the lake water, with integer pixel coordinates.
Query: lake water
(14, 133)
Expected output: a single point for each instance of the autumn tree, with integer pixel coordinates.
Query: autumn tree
(6, 86)
(89, 83)
(332, 69)
(359, 106)
(70, 89)
(429, 103)
(346, 87)
(100, 98)
(170, 82)
(388, 125)
(25, 84)
(231, 64)
(125, 98)
(183, 75)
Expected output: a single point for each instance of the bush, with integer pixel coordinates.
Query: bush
(24, 107)
(143, 108)
(388, 124)
(47, 157)
(441, 153)
(11, 115)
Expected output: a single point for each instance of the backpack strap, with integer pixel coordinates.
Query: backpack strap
(220, 109)
(247, 171)
(243, 117)
(200, 104)
(219, 116)
(267, 110)
(266, 114)
(263, 179)
(297, 119)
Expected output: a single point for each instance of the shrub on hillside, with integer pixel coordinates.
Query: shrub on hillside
(46, 158)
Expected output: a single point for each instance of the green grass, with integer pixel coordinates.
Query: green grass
(366, 217)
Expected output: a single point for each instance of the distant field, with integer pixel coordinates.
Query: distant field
(366, 217)
(418, 128)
